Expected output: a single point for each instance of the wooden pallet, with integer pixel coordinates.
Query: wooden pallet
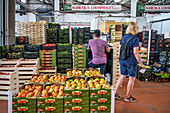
(10, 68)
(9, 62)
(8, 82)
(29, 61)
(52, 72)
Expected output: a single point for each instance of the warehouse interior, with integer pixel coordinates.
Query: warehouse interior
(44, 47)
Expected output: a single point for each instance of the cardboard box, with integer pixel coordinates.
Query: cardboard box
(49, 109)
(75, 93)
(100, 109)
(76, 109)
(43, 101)
(100, 101)
(76, 101)
(24, 109)
(17, 102)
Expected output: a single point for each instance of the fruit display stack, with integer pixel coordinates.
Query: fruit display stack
(143, 54)
(168, 62)
(52, 33)
(146, 39)
(3, 51)
(15, 52)
(163, 59)
(47, 58)
(161, 77)
(140, 36)
(64, 57)
(81, 35)
(31, 51)
(112, 33)
(51, 99)
(167, 44)
(87, 35)
(154, 54)
(76, 95)
(160, 45)
(22, 40)
(100, 95)
(64, 36)
(26, 100)
(79, 56)
(144, 76)
(74, 36)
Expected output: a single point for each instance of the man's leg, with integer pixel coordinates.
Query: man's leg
(119, 83)
(102, 68)
(130, 86)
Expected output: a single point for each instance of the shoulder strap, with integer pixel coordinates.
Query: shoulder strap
(130, 38)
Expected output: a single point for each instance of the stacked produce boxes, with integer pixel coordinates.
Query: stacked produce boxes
(64, 36)
(144, 76)
(112, 33)
(26, 100)
(143, 54)
(79, 56)
(168, 63)
(161, 77)
(74, 36)
(15, 52)
(100, 95)
(163, 60)
(51, 99)
(167, 44)
(124, 27)
(146, 38)
(64, 57)
(53, 33)
(48, 58)
(160, 45)
(31, 51)
(154, 54)
(76, 95)
(87, 35)
(81, 35)
(22, 40)
(3, 51)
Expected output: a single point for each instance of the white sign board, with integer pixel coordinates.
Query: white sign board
(155, 8)
(108, 8)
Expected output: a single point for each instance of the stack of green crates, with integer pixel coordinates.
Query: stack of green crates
(3, 51)
(47, 58)
(100, 100)
(64, 57)
(76, 100)
(79, 57)
(24, 105)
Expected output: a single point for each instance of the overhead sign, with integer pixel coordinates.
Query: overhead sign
(108, 8)
(154, 8)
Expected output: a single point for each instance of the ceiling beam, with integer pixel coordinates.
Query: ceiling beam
(28, 9)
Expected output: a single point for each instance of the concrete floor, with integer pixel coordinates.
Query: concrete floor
(151, 98)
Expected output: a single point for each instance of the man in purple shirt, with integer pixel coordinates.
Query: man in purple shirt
(98, 47)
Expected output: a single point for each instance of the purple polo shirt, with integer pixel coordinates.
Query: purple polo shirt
(98, 47)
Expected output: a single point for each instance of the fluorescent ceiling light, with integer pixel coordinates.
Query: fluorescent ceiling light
(117, 0)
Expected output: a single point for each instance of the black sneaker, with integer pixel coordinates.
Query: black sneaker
(117, 97)
(130, 99)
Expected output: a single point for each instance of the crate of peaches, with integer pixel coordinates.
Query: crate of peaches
(27, 95)
(99, 87)
(58, 78)
(74, 72)
(92, 72)
(76, 87)
(51, 99)
(41, 79)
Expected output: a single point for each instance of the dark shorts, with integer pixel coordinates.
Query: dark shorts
(130, 70)
(101, 66)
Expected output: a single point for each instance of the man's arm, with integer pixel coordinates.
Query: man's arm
(137, 55)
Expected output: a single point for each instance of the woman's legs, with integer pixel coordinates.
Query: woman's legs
(119, 83)
(130, 86)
